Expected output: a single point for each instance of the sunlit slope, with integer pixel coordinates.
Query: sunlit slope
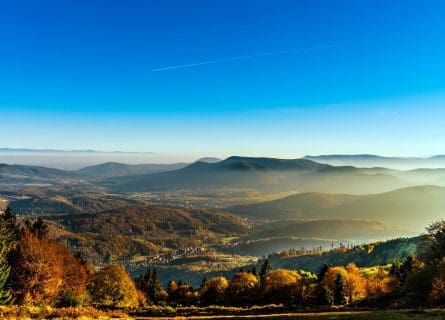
(412, 207)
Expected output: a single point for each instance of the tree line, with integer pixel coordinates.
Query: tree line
(35, 269)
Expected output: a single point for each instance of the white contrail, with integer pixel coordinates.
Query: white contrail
(272, 53)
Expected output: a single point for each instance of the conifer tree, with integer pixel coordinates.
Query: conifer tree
(8, 240)
(340, 290)
(265, 268)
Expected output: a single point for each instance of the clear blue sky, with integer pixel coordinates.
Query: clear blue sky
(370, 76)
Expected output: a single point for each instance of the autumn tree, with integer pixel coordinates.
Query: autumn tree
(44, 271)
(112, 286)
(242, 288)
(213, 291)
(75, 278)
(280, 286)
(181, 293)
(379, 282)
(355, 283)
(36, 273)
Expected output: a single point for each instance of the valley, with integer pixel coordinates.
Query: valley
(216, 217)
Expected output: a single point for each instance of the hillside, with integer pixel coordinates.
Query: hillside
(193, 270)
(369, 160)
(266, 174)
(290, 234)
(32, 174)
(45, 205)
(412, 207)
(116, 169)
(355, 230)
(143, 230)
(379, 253)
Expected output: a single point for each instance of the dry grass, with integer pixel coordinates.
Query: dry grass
(45, 312)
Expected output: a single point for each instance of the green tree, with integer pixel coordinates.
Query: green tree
(432, 247)
(149, 284)
(265, 269)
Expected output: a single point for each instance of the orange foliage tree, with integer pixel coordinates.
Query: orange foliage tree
(44, 271)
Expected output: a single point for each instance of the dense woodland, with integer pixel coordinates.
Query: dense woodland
(36, 270)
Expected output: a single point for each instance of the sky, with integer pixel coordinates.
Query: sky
(185, 79)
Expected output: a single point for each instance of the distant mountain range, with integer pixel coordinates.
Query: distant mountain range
(412, 207)
(369, 160)
(261, 174)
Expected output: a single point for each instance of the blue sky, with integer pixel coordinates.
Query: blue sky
(78, 75)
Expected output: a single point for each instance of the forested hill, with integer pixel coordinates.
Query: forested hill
(368, 255)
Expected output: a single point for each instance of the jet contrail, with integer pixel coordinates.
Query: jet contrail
(264, 54)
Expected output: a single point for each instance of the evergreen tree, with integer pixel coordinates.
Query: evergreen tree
(8, 242)
(323, 271)
(40, 228)
(265, 268)
(340, 290)
(154, 287)
(254, 271)
(203, 282)
(326, 297)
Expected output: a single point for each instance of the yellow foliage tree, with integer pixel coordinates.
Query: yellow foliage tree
(355, 283)
(356, 286)
(112, 286)
(213, 291)
(379, 282)
(280, 286)
(242, 288)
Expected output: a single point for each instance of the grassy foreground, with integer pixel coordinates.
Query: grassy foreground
(342, 315)
(14, 312)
